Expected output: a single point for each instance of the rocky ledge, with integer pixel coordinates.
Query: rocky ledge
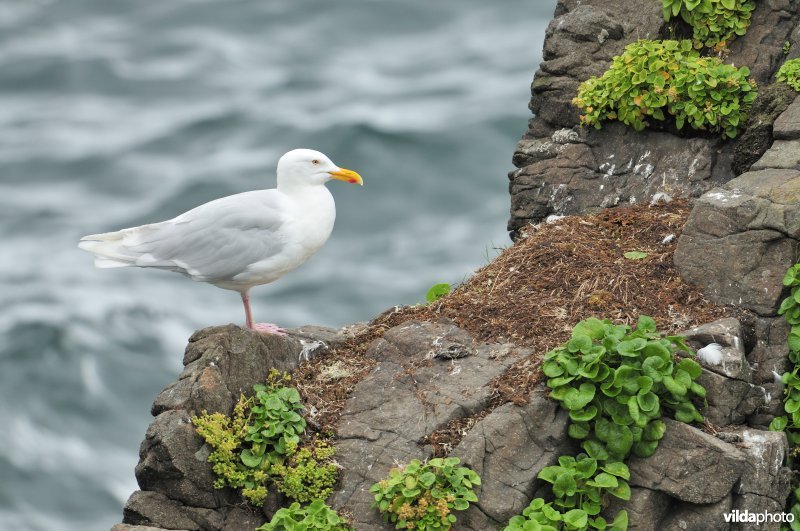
(428, 375)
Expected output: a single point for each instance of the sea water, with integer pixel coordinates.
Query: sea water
(116, 113)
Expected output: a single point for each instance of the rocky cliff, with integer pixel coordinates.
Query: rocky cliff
(462, 377)
(563, 169)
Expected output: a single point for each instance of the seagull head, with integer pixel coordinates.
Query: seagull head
(305, 166)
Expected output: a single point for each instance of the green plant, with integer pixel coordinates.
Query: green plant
(714, 22)
(259, 444)
(787, 47)
(614, 382)
(310, 474)
(789, 73)
(316, 515)
(423, 496)
(790, 423)
(579, 485)
(653, 79)
(436, 292)
(275, 425)
(635, 255)
(790, 310)
(542, 516)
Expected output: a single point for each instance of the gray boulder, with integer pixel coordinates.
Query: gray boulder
(770, 355)
(689, 465)
(730, 401)
(508, 448)
(690, 517)
(754, 218)
(765, 474)
(646, 508)
(787, 125)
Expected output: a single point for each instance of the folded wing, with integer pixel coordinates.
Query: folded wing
(213, 242)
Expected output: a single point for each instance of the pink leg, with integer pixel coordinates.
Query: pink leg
(261, 328)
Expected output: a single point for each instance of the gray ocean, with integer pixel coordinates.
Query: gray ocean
(116, 113)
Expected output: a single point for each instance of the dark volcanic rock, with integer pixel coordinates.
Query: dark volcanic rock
(144, 508)
(757, 138)
(582, 172)
(127, 527)
(172, 461)
(221, 362)
(428, 376)
(597, 169)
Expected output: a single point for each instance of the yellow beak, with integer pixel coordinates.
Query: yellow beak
(348, 176)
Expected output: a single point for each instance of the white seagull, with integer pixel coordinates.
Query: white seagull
(239, 241)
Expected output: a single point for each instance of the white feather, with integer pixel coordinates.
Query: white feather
(711, 354)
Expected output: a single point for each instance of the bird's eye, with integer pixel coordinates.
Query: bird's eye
(315, 162)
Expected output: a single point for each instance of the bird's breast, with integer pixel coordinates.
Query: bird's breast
(307, 225)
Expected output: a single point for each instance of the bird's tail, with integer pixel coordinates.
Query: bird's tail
(110, 249)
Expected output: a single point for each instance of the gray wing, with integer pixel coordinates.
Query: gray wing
(213, 242)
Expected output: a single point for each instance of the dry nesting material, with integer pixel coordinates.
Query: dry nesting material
(535, 291)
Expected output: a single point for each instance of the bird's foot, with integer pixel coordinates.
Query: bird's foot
(268, 329)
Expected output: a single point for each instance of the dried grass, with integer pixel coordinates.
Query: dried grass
(535, 291)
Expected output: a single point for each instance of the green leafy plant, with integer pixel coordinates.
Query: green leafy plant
(275, 425)
(656, 79)
(437, 291)
(790, 310)
(259, 444)
(423, 496)
(542, 516)
(579, 484)
(789, 73)
(615, 381)
(787, 47)
(714, 22)
(635, 255)
(790, 423)
(316, 515)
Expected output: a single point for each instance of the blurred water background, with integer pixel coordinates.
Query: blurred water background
(115, 113)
